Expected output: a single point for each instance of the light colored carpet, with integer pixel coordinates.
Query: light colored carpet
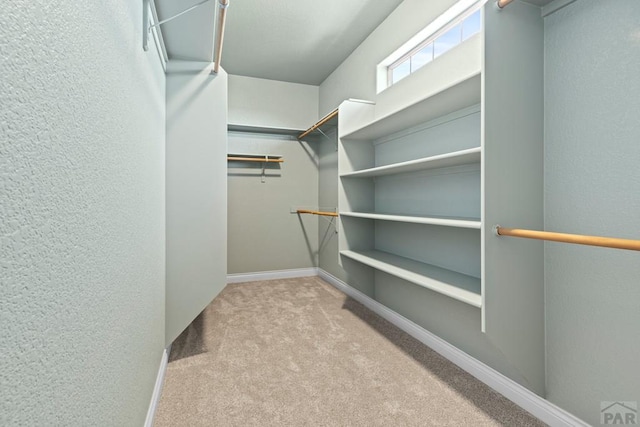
(298, 352)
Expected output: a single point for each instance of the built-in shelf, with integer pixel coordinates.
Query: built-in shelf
(450, 283)
(453, 98)
(431, 220)
(262, 130)
(456, 158)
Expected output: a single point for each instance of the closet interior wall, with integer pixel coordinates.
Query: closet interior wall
(82, 228)
(265, 233)
(328, 197)
(592, 187)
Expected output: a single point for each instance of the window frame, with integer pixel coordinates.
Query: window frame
(458, 19)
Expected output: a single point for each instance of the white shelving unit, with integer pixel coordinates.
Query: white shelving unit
(443, 221)
(417, 168)
(422, 184)
(455, 285)
(459, 92)
(458, 158)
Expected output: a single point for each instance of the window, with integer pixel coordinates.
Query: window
(456, 25)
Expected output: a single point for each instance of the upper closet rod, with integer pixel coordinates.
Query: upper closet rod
(503, 3)
(222, 16)
(264, 159)
(607, 242)
(322, 121)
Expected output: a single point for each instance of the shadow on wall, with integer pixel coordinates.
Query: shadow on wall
(479, 394)
(330, 233)
(313, 254)
(309, 151)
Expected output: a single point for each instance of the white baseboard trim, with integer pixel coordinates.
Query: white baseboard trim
(272, 275)
(157, 389)
(526, 399)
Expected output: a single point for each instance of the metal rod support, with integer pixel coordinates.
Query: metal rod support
(607, 242)
(163, 47)
(222, 17)
(164, 21)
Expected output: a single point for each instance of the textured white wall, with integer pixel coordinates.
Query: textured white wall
(592, 186)
(81, 214)
(272, 104)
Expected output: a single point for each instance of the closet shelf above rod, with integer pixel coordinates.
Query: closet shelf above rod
(319, 123)
(321, 213)
(607, 242)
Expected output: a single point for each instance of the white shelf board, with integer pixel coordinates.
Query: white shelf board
(432, 220)
(231, 127)
(453, 98)
(457, 158)
(446, 282)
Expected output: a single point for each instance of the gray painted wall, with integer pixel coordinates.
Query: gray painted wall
(196, 192)
(263, 234)
(328, 198)
(271, 104)
(82, 205)
(592, 186)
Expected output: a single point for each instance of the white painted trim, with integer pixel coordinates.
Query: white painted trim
(526, 399)
(272, 275)
(157, 389)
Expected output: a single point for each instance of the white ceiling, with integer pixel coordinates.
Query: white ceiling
(300, 41)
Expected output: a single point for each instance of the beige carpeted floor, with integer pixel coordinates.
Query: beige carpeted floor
(298, 352)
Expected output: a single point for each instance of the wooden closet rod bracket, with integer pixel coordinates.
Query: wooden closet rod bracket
(607, 242)
(322, 121)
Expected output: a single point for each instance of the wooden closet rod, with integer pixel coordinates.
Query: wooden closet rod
(254, 159)
(222, 17)
(322, 121)
(607, 242)
(503, 3)
(307, 211)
